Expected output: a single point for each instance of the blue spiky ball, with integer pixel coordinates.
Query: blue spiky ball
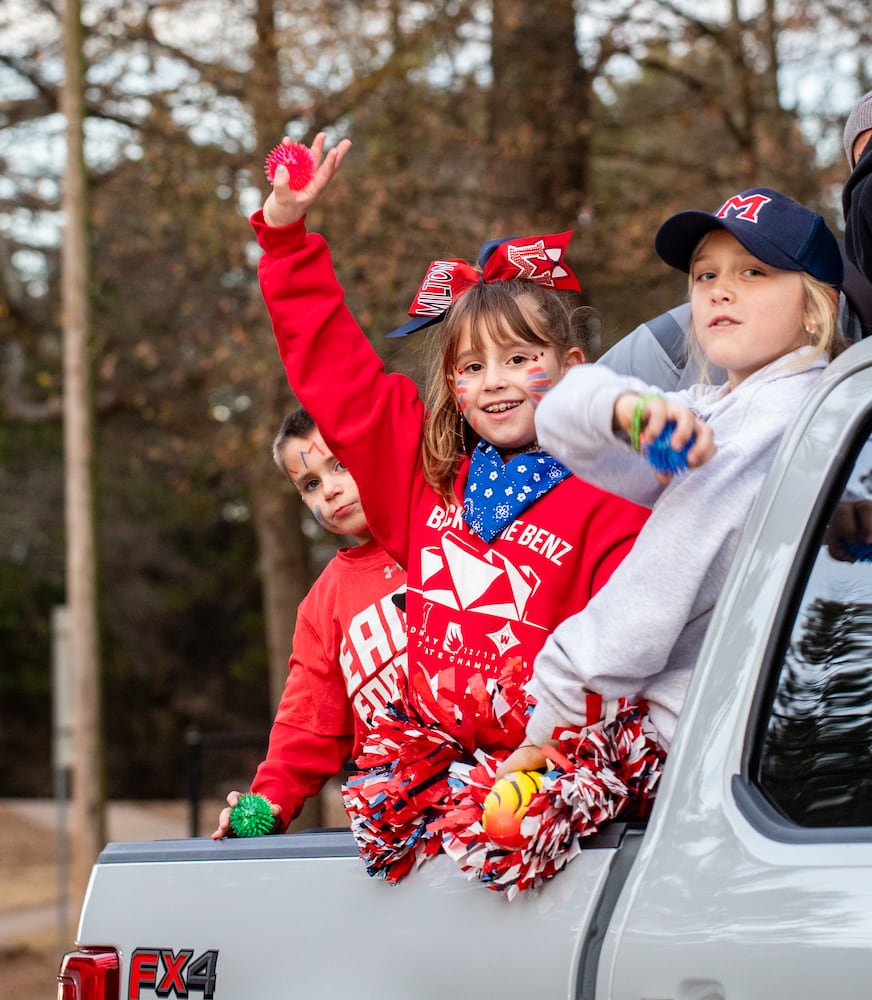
(252, 816)
(663, 457)
(859, 551)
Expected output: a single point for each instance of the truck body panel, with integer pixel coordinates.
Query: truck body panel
(299, 916)
(727, 897)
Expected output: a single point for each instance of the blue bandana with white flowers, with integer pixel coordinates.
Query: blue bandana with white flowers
(497, 491)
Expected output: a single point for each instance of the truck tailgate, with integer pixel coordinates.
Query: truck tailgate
(297, 916)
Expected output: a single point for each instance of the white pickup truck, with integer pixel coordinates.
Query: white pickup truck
(751, 880)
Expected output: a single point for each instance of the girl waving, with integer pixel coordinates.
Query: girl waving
(501, 542)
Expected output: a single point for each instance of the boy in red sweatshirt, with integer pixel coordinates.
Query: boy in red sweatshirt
(349, 641)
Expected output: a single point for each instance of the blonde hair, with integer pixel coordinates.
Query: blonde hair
(489, 311)
(822, 317)
(821, 325)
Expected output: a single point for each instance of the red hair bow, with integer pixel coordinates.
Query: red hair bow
(533, 258)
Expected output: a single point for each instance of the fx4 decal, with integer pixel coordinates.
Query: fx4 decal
(168, 973)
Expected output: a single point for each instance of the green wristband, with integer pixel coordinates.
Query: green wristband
(636, 419)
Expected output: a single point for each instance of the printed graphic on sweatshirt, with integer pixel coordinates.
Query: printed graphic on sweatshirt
(456, 575)
(372, 652)
(524, 533)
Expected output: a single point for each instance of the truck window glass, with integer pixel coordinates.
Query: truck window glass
(815, 763)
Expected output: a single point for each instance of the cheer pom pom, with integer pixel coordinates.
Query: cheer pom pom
(506, 805)
(252, 816)
(663, 457)
(416, 758)
(297, 158)
(606, 771)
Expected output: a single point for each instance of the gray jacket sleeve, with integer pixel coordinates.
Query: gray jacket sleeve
(574, 424)
(640, 635)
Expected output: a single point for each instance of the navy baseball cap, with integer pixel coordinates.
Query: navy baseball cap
(770, 225)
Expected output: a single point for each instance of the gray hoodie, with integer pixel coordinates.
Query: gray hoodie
(640, 635)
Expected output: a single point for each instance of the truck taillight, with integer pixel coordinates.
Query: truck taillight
(89, 974)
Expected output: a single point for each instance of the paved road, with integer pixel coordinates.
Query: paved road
(124, 820)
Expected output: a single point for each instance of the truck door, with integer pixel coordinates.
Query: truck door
(754, 879)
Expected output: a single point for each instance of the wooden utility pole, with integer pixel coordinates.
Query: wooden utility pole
(81, 575)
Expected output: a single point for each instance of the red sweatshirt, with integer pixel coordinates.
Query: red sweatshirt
(471, 605)
(349, 643)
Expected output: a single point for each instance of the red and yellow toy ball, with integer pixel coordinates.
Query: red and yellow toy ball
(506, 805)
(297, 158)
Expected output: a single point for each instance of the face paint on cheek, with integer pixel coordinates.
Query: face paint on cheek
(460, 392)
(319, 516)
(538, 383)
(460, 386)
(463, 402)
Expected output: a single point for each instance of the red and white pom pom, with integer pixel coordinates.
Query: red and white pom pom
(297, 158)
(608, 771)
(416, 759)
(402, 787)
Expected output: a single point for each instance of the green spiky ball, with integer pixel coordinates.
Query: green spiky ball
(252, 816)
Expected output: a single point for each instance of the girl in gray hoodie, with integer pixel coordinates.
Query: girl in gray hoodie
(764, 277)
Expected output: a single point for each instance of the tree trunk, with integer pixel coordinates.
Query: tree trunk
(539, 117)
(276, 512)
(284, 564)
(81, 563)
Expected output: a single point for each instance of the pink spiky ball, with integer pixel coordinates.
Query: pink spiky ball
(297, 158)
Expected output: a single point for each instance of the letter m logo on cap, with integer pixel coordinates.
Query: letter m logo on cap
(747, 208)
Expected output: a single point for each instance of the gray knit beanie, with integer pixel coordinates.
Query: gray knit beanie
(858, 121)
